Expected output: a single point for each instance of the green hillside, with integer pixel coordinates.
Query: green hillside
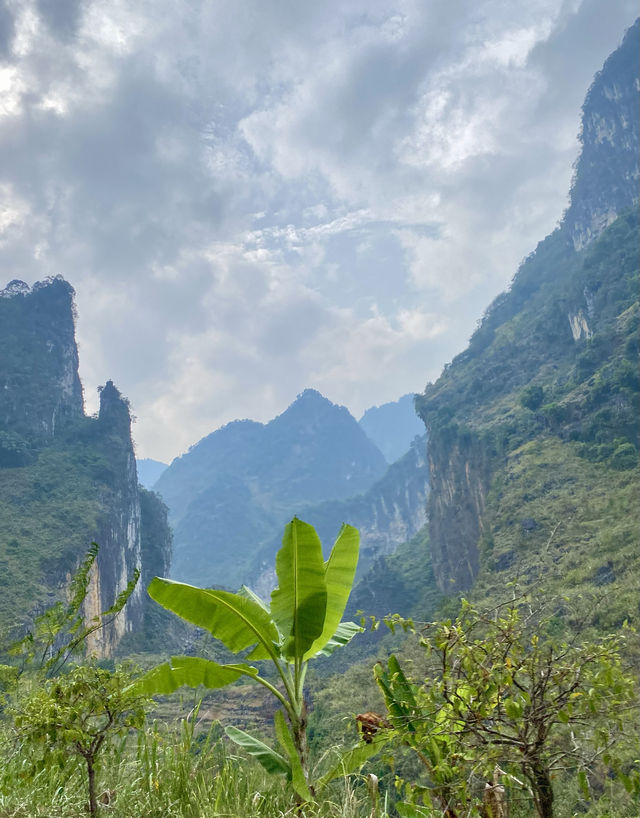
(543, 419)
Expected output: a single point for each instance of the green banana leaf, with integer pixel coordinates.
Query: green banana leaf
(398, 694)
(192, 671)
(299, 603)
(339, 572)
(272, 761)
(246, 592)
(351, 760)
(259, 652)
(286, 740)
(237, 621)
(343, 635)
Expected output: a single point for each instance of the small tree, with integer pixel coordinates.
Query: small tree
(62, 630)
(80, 713)
(502, 694)
(303, 622)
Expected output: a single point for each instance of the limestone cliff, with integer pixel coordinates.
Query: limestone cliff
(40, 388)
(118, 531)
(459, 474)
(554, 359)
(606, 177)
(66, 480)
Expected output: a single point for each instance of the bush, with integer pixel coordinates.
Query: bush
(532, 397)
(624, 457)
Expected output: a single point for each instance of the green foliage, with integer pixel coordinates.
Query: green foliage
(625, 456)
(62, 630)
(566, 526)
(503, 695)
(79, 713)
(548, 495)
(531, 397)
(302, 622)
(49, 512)
(14, 450)
(167, 769)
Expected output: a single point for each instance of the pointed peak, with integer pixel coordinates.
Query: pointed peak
(311, 396)
(114, 408)
(308, 403)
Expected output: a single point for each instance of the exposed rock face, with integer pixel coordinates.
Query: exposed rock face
(118, 531)
(579, 325)
(393, 510)
(40, 388)
(606, 180)
(459, 474)
(67, 480)
(567, 316)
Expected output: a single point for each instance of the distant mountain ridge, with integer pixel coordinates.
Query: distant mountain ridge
(149, 471)
(235, 489)
(390, 513)
(393, 426)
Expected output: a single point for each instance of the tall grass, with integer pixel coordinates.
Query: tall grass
(166, 771)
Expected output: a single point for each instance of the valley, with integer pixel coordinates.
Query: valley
(494, 514)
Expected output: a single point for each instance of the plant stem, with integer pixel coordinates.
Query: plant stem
(93, 804)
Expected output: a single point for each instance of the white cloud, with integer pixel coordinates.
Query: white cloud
(253, 199)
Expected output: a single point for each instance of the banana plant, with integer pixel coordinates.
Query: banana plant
(303, 622)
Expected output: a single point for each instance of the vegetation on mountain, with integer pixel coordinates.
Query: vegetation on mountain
(548, 445)
(65, 479)
(63, 630)
(391, 512)
(533, 455)
(41, 390)
(552, 367)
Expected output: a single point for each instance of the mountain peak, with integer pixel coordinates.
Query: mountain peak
(37, 336)
(232, 493)
(606, 173)
(309, 393)
(310, 405)
(311, 397)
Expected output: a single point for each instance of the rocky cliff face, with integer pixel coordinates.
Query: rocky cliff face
(459, 473)
(40, 388)
(606, 178)
(118, 532)
(556, 355)
(67, 480)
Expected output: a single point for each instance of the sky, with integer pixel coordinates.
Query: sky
(259, 196)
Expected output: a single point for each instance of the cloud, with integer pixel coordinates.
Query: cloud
(253, 198)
